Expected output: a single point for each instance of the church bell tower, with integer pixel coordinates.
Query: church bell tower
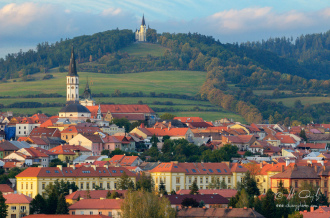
(72, 81)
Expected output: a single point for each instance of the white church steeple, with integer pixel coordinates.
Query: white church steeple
(72, 81)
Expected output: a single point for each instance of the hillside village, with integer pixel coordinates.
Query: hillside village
(92, 164)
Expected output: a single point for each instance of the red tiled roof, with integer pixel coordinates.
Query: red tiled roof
(94, 194)
(78, 172)
(166, 131)
(116, 159)
(218, 212)
(194, 168)
(235, 167)
(65, 216)
(123, 108)
(5, 188)
(17, 199)
(242, 139)
(227, 193)
(42, 131)
(35, 152)
(93, 138)
(62, 149)
(199, 125)
(129, 116)
(107, 204)
(206, 198)
(285, 139)
(313, 145)
(189, 119)
(77, 129)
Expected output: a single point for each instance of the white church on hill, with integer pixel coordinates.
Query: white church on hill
(141, 35)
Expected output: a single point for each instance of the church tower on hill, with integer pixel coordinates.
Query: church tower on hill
(72, 81)
(141, 35)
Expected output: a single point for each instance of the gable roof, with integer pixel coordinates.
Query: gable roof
(94, 194)
(124, 108)
(168, 131)
(207, 198)
(43, 131)
(12, 198)
(75, 172)
(7, 146)
(5, 188)
(106, 204)
(189, 119)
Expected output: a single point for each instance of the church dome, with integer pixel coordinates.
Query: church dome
(71, 108)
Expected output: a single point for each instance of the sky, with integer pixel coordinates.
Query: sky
(25, 23)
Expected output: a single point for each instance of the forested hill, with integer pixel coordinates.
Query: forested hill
(234, 71)
(312, 51)
(48, 55)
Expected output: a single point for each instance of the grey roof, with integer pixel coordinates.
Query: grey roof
(21, 144)
(75, 107)
(72, 66)
(80, 159)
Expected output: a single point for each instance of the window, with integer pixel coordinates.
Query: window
(219, 171)
(317, 183)
(90, 212)
(27, 186)
(23, 208)
(296, 183)
(177, 179)
(108, 185)
(87, 185)
(43, 185)
(109, 213)
(201, 180)
(82, 212)
(258, 180)
(81, 185)
(93, 185)
(13, 208)
(229, 180)
(100, 213)
(326, 193)
(325, 183)
(115, 185)
(101, 185)
(22, 185)
(311, 182)
(193, 170)
(211, 171)
(73, 213)
(177, 188)
(195, 179)
(189, 180)
(207, 180)
(31, 185)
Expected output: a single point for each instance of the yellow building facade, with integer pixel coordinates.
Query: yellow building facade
(176, 176)
(34, 180)
(18, 205)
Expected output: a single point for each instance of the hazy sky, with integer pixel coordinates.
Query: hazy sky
(24, 23)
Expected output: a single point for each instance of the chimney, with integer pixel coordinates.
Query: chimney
(315, 168)
(106, 166)
(230, 207)
(312, 209)
(272, 164)
(60, 167)
(169, 125)
(245, 208)
(282, 168)
(70, 191)
(261, 164)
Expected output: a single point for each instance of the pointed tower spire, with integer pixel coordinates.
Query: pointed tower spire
(87, 85)
(143, 22)
(72, 66)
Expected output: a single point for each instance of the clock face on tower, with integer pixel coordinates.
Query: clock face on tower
(72, 87)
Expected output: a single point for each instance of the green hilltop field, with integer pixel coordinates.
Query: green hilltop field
(175, 82)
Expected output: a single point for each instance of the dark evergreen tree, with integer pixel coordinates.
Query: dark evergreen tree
(3, 206)
(194, 188)
(186, 202)
(162, 189)
(125, 182)
(108, 195)
(62, 206)
(51, 202)
(37, 205)
(268, 205)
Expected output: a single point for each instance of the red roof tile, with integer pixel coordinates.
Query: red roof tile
(94, 194)
(189, 119)
(5, 188)
(107, 204)
(17, 199)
